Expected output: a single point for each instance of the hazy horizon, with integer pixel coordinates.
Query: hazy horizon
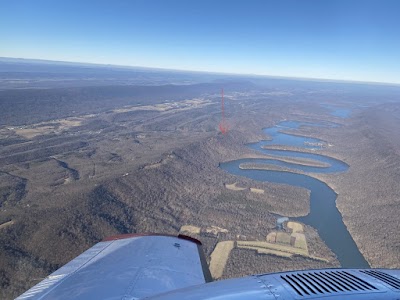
(82, 63)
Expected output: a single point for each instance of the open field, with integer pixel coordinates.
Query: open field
(245, 262)
(43, 128)
(178, 106)
(5, 224)
(263, 250)
(233, 187)
(295, 227)
(300, 240)
(215, 230)
(278, 243)
(219, 258)
(283, 238)
(190, 229)
(278, 247)
(257, 191)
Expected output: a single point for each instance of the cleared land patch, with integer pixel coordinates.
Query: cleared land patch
(42, 128)
(296, 227)
(6, 224)
(266, 245)
(215, 230)
(278, 243)
(283, 238)
(271, 237)
(219, 258)
(282, 243)
(300, 241)
(257, 191)
(266, 251)
(233, 187)
(190, 229)
(181, 105)
(160, 163)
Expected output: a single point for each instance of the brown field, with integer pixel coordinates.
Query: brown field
(257, 191)
(272, 246)
(215, 230)
(190, 229)
(295, 227)
(219, 258)
(44, 128)
(233, 187)
(271, 237)
(5, 224)
(283, 238)
(300, 241)
(266, 251)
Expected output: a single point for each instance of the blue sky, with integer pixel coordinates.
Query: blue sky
(351, 40)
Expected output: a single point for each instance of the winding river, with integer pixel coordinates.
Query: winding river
(324, 215)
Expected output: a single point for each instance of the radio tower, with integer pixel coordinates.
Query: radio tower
(223, 127)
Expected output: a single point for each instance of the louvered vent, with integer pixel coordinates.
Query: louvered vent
(386, 278)
(326, 282)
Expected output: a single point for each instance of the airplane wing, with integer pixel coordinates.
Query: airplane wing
(131, 267)
(127, 267)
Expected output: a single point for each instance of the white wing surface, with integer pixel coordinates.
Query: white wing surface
(127, 267)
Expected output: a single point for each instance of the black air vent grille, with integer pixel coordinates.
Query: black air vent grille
(386, 278)
(326, 282)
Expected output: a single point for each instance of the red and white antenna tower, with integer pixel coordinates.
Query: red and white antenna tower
(223, 126)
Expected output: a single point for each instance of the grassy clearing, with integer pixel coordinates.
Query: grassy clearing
(319, 258)
(296, 227)
(4, 225)
(267, 251)
(271, 246)
(181, 105)
(300, 241)
(233, 187)
(48, 127)
(219, 258)
(280, 250)
(215, 230)
(257, 191)
(190, 229)
(283, 238)
(153, 166)
(271, 237)
(32, 132)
